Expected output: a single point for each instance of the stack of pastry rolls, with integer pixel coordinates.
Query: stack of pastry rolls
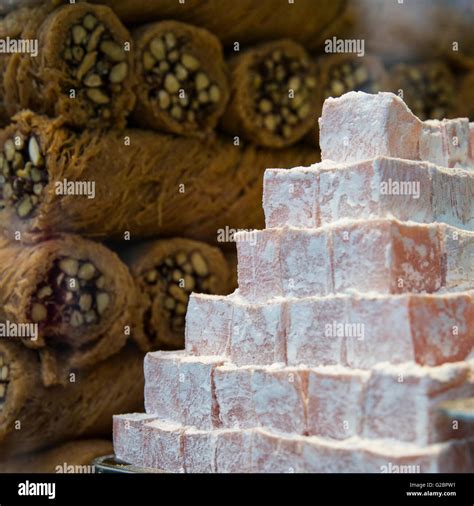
(124, 153)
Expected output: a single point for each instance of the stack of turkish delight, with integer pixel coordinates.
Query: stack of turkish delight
(353, 320)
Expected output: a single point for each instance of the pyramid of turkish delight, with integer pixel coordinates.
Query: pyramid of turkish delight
(353, 320)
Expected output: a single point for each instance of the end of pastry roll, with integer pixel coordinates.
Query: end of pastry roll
(23, 174)
(166, 273)
(183, 83)
(85, 73)
(273, 94)
(342, 73)
(429, 89)
(74, 293)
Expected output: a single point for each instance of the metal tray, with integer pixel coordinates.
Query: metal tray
(109, 464)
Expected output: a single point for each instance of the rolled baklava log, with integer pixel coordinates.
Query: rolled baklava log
(429, 89)
(145, 184)
(84, 68)
(182, 78)
(273, 99)
(166, 272)
(70, 457)
(243, 21)
(33, 416)
(78, 294)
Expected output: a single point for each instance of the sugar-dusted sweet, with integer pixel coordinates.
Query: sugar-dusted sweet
(452, 191)
(128, 437)
(335, 397)
(234, 396)
(381, 187)
(279, 396)
(290, 197)
(377, 188)
(305, 268)
(233, 451)
(400, 400)
(197, 403)
(358, 126)
(162, 446)
(199, 450)
(387, 256)
(162, 384)
(459, 254)
(208, 325)
(442, 327)
(445, 142)
(378, 330)
(258, 254)
(314, 335)
(257, 333)
(273, 453)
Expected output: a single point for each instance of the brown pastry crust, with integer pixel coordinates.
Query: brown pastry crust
(76, 291)
(182, 78)
(33, 416)
(273, 94)
(243, 21)
(82, 47)
(166, 272)
(146, 184)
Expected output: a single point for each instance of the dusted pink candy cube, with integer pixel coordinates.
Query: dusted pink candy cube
(163, 446)
(452, 196)
(199, 450)
(208, 325)
(290, 196)
(387, 256)
(358, 126)
(197, 403)
(273, 453)
(377, 188)
(305, 262)
(400, 400)
(258, 255)
(445, 142)
(335, 399)
(233, 390)
(442, 327)
(459, 248)
(279, 396)
(128, 437)
(162, 384)
(313, 336)
(378, 330)
(233, 451)
(257, 334)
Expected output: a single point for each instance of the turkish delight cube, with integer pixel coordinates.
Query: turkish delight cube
(163, 446)
(208, 325)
